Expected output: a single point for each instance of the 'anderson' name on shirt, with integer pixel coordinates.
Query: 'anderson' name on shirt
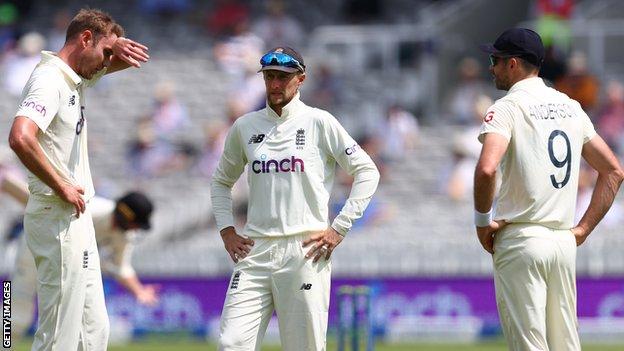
(551, 111)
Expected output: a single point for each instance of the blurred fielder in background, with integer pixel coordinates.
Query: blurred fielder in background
(291, 151)
(115, 223)
(49, 135)
(538, 135)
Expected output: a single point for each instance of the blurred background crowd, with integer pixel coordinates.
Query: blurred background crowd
(405, 78)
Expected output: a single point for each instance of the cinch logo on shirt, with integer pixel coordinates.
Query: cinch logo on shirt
(285, 165)
(37, 107)
(352, 149)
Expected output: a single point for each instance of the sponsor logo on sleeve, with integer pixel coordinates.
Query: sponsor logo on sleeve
(35, 106)
(488, 116)
(352, 149)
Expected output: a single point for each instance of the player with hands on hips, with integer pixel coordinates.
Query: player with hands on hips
(282, 260)
(537, 135)
(49, 135)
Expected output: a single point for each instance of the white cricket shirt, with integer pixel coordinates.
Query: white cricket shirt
(53, 99)
(291, 161)
(114, 244)
(546, 132)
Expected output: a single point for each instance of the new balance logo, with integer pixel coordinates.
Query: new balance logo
(256, 138)
(235, 280)
(85, 259)
(305, 286)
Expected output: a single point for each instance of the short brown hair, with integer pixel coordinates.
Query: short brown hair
(98, 22)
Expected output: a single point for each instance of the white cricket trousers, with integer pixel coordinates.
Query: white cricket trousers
(534, 274)
(70, 296)
(24, 286)
(276, 275)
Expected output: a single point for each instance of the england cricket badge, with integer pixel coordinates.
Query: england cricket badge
(300, 139)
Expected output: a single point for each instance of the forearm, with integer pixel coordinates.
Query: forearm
(131, 283)
(607, 186)
(117, 64)
(484, 190)
(362, 190)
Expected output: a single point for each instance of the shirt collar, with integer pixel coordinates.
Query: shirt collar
(527, 84)
(287, 111)
(52, 57)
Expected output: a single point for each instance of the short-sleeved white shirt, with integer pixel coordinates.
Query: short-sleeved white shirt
(546, 132)
(53, 98)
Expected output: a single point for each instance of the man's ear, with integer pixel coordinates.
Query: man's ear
(86, 38)
(301, 78)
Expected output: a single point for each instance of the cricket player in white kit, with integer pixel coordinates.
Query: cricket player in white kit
(49, 135)
(115, 224)
(282, 259)
(538, 136)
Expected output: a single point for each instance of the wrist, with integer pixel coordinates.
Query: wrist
(482, 219)
(226, 230)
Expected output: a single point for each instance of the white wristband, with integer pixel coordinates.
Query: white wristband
(483, 219)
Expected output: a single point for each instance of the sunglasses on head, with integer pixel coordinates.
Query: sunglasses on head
(281, 59)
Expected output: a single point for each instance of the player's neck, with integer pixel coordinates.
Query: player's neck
(69, 53)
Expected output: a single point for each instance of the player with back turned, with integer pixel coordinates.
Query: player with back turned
(49, 135)
(282, 259)
(538, 136)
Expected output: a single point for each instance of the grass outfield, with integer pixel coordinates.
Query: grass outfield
(202, 346)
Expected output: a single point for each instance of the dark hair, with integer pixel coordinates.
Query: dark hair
(98, 22)
(527, 66)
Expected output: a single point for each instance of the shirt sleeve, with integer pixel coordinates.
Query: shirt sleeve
(40, 101)
(498, 119)
(357, 163)
(120, 264)
(588, 127)
(231, 166)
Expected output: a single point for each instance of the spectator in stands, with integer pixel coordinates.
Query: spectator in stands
(578, 83)
(150, 156)
(362, 11)
(326, 91)
(554, 66)
(225, 16)
(168, 114)
(246, 94)
(553, 22)
(8, 27)
(610, 118)
(466, 150)
(398, 133)
(214, 139)
(277, 27)
(164, 9)
(469, 87)
(237, 54)
(19, 64)
(56, 34)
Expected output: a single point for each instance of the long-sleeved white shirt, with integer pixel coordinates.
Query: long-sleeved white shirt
(291, 162)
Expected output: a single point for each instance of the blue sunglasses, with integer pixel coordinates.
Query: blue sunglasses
(280, 59)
